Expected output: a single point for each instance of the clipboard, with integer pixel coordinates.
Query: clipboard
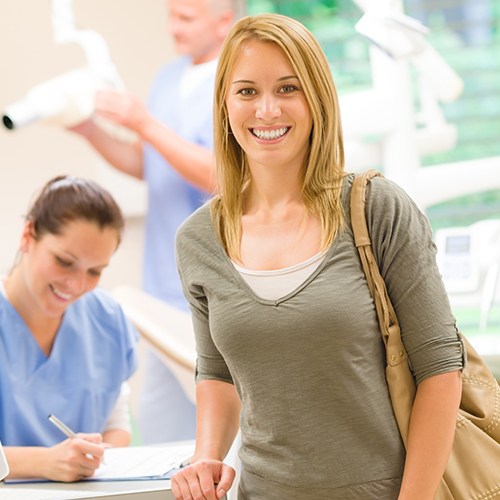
(135, 463)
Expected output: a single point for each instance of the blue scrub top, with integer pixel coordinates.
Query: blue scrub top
(79, 382)
(171, 199)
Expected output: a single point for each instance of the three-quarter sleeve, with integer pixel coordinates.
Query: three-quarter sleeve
(193, 259)
(404, 248)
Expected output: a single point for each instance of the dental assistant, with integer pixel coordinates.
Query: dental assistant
(66, 347)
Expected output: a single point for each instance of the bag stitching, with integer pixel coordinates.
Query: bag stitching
(495, 420)
(492, 493)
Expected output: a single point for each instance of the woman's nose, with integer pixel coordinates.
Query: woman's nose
(77, 282)
(268, 108)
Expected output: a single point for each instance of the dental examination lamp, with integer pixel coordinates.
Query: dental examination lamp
(403, 38)
(65, 100)
(388, 109)
(68, 99)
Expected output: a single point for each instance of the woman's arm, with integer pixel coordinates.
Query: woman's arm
(67, 461)
(431, 433)
(126, 157)
(73, 459)
(217, 423)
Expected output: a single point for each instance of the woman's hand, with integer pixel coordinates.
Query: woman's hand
(204, 479)
(217, 419)
(74, 458)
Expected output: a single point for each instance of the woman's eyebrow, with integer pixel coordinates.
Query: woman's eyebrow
(282, 78)
(242, 81)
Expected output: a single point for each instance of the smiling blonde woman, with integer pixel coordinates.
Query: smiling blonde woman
(286, 330)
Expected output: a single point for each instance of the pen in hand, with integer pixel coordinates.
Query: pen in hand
(64, 428)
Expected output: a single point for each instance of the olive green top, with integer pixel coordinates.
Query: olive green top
(316, 417)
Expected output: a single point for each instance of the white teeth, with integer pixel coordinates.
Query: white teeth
(64, 296)
(269, 135)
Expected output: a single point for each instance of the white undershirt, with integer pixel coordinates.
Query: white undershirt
(278, 283)
(120, 416)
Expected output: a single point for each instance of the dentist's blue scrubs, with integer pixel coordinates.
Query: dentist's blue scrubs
(79, 382)
(182, 98)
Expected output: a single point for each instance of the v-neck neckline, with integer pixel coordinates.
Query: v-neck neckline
(273, 302)
(26, 331)
(344, 193)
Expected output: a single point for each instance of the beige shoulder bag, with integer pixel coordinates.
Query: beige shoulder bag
(473, 470)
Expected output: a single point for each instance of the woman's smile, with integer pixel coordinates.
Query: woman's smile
(268, 135)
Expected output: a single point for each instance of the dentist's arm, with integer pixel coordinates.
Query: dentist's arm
(193, 162)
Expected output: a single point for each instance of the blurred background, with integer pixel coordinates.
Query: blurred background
(421, 105)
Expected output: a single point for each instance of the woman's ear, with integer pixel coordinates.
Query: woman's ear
(27, 236)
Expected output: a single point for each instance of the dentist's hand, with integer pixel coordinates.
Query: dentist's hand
(122, 108)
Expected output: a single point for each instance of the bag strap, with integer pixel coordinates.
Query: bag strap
(388, 321)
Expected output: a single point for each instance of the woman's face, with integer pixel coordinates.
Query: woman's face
(267, 109)
(59, 269)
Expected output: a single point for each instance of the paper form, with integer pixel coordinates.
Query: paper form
(142, 462)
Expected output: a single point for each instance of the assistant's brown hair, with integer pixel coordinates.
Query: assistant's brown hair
(66, 198)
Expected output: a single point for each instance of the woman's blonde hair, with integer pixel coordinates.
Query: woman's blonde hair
(324, 166)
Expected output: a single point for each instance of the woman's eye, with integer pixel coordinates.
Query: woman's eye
(246, 92)
(63, 262)
(287, 89)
